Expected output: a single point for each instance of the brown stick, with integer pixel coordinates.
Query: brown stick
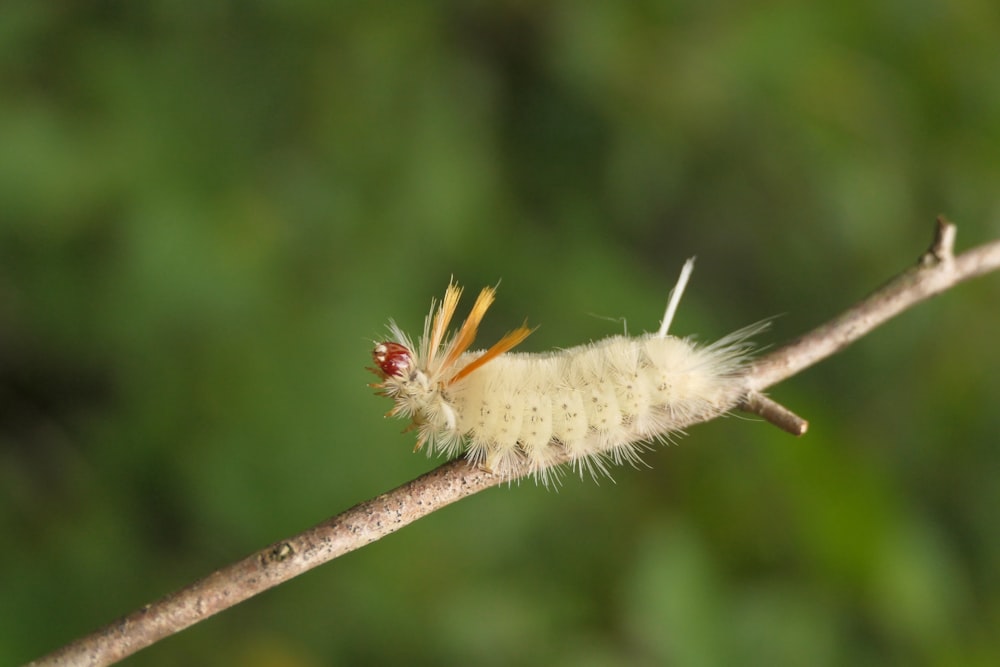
(362, 524)
(772, 411)
(937, 270)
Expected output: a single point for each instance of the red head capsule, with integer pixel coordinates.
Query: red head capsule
(392, 359)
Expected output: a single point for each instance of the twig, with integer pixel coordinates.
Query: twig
(937, 270)
(756, 403)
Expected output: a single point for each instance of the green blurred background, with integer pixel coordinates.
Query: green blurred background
(208, 211)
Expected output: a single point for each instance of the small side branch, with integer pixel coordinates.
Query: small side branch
(773, 412)
(937, 270)
(934, 272)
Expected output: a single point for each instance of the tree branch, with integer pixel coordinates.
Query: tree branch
(937, 270)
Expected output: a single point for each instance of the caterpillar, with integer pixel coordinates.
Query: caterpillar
(591, 405)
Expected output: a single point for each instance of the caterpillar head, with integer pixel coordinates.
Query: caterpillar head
(437, 355)
(416, 378)
(392, 360)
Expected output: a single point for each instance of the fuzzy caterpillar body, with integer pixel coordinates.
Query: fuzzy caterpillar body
(590, 404)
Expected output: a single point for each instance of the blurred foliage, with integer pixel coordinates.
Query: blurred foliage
(209, 210)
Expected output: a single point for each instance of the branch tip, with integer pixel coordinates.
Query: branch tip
(772, 411)
(942, 248)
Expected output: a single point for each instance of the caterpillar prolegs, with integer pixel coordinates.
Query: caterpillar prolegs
(591, 405)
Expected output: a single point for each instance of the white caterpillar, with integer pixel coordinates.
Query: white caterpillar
(590, 404)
